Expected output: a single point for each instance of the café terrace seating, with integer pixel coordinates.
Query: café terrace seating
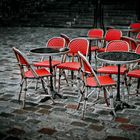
(94, 81)
(29, 73)
(138, 36)
(111, 34)
(132, 43)
(117, 46)
(54, 42)
(134, 73)
(97, 35)
(72, 64)
(134, 26)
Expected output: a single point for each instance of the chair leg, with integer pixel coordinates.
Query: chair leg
(43, 86)
(54, 75)
(61, 71)
(48, 89)
(59, 80)
(21, 86)
(126, 85)
(64, 73)
(49, 93)
(105, 97)
(25, 90)
(138, 87)
(36, 86)
(111, 102)
(84, 103)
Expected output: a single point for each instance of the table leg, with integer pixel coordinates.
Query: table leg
(119, 105)
(51, 71)
(90, 51)
(138, 85)
(118, 84)
(53, 92)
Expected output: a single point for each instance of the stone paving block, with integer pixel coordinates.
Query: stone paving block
(59, 121)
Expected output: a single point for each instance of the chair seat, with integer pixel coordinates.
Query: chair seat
(104, 81)
(73, 66)
(112, 70)
(40, 73)
(71, 54)
(101, 50)
(134, 73)
(94, 48)
(46, 63)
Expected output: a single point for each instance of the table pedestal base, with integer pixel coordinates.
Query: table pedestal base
(54, 96)
(119, 105)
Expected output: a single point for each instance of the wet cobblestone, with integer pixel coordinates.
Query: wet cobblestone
(59, 121)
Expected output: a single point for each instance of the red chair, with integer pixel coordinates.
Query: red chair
(28, 73)
(94, 44)
(134, 26)
(116, 45)
(92, 80)
(135, 72)
(67, 39)
(54, 42)
(111, 34)
(73, 65)
(132, 43)
(138, 36)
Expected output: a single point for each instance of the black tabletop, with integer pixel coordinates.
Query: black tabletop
(118, 57)
(49, 51)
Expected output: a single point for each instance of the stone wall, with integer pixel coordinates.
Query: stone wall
(63, 13)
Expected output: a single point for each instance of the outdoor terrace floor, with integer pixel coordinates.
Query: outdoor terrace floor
(44, 121)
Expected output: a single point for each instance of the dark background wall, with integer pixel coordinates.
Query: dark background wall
(67, 13)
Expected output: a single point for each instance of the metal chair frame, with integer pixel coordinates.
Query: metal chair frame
(119, 46)
(135, 73)
(28, 72)
(93, 81)
(71, 62)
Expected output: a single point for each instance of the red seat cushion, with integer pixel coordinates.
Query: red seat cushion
(94, 48)
(134, 73)
(101, 50)
(74, 66)
(112, 70)
(40, 73)
(104, 81)
(46, 63)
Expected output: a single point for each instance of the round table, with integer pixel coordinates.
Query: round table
(46, 51)
(118, 58)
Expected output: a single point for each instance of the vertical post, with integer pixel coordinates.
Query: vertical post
(51, 71)
(118, 84)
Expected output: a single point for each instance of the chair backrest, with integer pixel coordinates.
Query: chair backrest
(23, 62)
(117, 46)
(95, 33)
(56, 42)
(113, 34)
(134, 32)
(20, 57)
(132, 43)
(134, 25)
(138, 49)
(79, 44)
(67, 39)
(86, 67)
(138, 36)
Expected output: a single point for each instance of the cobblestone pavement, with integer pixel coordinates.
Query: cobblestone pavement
(59, 121)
